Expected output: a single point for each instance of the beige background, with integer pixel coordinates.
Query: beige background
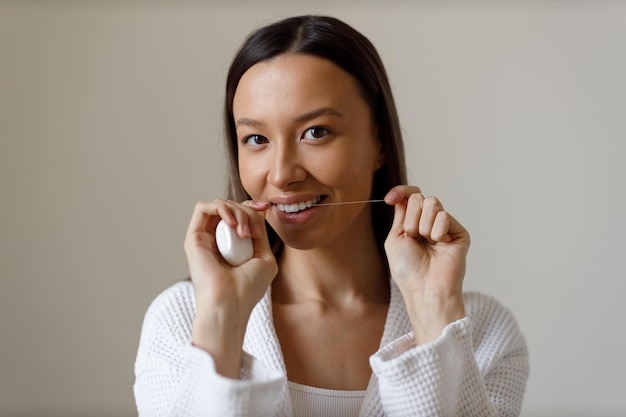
(514, 115)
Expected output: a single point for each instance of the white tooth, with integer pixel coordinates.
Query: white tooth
(294, 208)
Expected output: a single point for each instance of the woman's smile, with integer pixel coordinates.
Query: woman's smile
(298, 206)
(295, 213)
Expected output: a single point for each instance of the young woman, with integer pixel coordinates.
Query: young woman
(344, 309)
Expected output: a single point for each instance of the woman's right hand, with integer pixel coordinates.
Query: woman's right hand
(226, 294)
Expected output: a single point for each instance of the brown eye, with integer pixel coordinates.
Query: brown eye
(254, 140)
(315, 133)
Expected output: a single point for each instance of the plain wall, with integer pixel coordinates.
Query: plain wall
(513, 113)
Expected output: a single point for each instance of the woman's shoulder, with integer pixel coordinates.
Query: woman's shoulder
(494, 325)
(178, 295)
(173, 307)
(482, 306)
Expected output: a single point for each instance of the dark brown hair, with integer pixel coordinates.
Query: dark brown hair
(334, 40)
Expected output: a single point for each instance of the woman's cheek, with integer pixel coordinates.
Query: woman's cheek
(251, 178)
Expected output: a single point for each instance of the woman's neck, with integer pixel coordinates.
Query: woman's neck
(338, 274)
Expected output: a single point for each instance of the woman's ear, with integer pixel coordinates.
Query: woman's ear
(381, 157)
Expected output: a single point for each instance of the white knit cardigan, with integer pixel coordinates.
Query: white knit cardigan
(477, 367)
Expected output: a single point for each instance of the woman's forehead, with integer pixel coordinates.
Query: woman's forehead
(295, 80)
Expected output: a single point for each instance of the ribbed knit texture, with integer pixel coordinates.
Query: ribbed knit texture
(477, 367)
(314, 402)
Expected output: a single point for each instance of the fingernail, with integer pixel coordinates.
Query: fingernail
(392, 196)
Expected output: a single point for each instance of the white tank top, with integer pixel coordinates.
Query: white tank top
(309, 401)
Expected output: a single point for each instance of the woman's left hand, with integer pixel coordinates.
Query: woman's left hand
(427, 249)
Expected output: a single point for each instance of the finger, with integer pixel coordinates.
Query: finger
(257, 223)
(261, 242)
(204, 214)
(413, 214)
(247, 222)
(201, 218)
(400, 192)
(431, 206)
(441, 227)
(457, 231)
(242, 216)
(257, 205)
(397, 226)
(398, 196)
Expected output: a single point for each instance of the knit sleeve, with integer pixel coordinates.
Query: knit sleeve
(477, 367)
(174, 378)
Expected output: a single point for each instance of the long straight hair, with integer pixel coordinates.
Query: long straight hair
(331, 39)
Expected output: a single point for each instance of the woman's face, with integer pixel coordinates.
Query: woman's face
(305, 136)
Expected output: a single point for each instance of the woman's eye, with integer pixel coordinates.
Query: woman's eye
(315, 133)
(254, 140)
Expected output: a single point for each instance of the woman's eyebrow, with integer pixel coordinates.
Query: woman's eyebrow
(249, 122)
(318, 112)
(245, 121)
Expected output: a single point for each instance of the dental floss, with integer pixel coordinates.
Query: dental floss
(348, 202)
(236, 250)
(233, 249)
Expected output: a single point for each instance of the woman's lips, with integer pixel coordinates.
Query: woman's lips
(294, 211)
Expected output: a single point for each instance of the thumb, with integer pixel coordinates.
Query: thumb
(399, 213)
(261, 241)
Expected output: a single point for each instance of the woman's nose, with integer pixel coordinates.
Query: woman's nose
(285, 166)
